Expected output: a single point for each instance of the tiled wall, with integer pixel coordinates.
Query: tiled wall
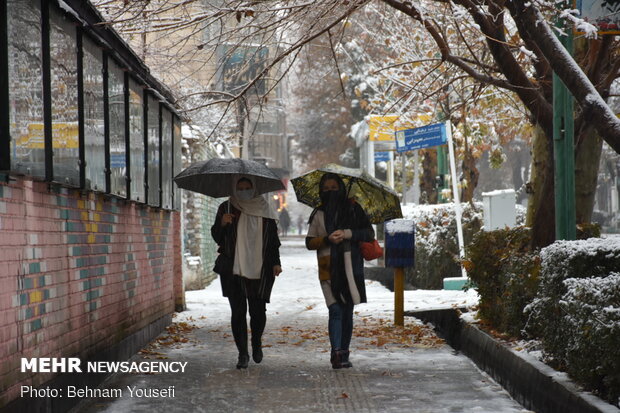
(78, 273)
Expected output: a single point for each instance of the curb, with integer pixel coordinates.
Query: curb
(529, 381)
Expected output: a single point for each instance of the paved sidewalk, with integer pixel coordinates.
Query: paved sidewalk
(395, 370)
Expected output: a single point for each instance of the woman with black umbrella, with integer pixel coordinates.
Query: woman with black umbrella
(246, 232)
(337, 227)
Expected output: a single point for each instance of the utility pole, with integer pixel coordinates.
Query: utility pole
(564, 152)
(442, 171)
(442, 161)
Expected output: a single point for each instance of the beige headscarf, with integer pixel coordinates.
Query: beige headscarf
(249, 248)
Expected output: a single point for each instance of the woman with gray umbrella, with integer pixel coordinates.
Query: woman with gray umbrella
(246, 232)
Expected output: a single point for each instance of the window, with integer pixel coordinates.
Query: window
(176, 145)
(25, 87)
(94, 138)
(64, 88)
(166, 158)
(116, 105)
(69, 99)
(136, 141)
(153, 151)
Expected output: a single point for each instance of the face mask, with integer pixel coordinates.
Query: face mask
(245, 194)
(329, 197)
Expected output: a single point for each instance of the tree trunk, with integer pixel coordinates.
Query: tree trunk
(587, 160)
(428, 190)
(541, 205)
(471, 174)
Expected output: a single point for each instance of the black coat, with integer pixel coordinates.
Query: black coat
(226, 239)
(361, 231)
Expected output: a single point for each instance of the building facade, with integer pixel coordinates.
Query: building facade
(90, 228)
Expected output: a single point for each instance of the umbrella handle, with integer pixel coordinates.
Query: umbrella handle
(350, 185)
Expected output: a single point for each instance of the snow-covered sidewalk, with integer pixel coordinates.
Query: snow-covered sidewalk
(395, 369)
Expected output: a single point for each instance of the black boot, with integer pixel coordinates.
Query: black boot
(257, 351)
(244, 359)
(336, 359)
(344, 359)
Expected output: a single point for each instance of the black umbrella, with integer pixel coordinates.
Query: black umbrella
(215, 176)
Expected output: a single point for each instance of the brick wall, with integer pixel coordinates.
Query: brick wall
(78, 273)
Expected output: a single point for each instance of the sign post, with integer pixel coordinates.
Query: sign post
(457, 197)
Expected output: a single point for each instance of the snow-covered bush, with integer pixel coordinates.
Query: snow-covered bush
(436, 249)
(563, 312)
(505, 271)
(591, 310)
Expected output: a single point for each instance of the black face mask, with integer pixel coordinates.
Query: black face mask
(330, 197)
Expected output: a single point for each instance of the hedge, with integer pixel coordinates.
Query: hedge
(505, 272)
(575, 312)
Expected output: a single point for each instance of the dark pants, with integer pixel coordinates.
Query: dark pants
(258, 318)
(340, 325)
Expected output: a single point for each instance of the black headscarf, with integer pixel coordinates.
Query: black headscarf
(337, 211)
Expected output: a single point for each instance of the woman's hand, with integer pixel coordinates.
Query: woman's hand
(227, 219)
(277, 270)
(336, 237)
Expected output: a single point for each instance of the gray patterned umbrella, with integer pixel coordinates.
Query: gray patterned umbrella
(379, 201)
(215, 176)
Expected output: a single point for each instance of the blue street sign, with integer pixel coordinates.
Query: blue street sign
(418, 138)
(382, 156)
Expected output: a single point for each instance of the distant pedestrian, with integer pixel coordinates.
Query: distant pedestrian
(336, 228)
(300, 224)
(285, 221)
(246, 232)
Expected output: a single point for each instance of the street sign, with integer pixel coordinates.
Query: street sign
(603, 14)
(382, 156)
(381, 128)
(419, 138)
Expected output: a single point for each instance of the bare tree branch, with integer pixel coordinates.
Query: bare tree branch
(591, 102)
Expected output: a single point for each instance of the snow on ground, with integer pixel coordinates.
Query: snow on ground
(297, 292)
(297, 313)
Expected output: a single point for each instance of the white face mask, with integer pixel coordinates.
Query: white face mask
(245, 194)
